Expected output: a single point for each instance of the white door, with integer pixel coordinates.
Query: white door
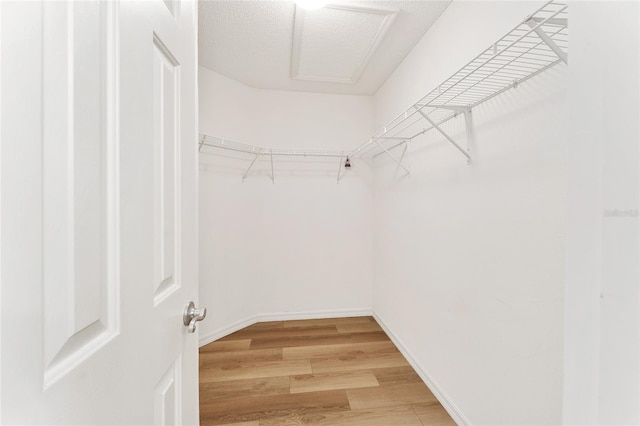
(98, 212)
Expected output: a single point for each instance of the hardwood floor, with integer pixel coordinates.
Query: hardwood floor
(328, 372)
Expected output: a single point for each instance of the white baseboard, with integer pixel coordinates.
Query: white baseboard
(205, 339)
(433, 385)
(335, 313)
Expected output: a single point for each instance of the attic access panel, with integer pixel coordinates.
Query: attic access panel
(334, 44)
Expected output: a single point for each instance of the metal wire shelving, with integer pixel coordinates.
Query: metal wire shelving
(538, 43)
(254, 153)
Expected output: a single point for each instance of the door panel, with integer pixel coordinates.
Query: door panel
(168, 394)
(80, 183)
(98, 192)
(166, 125)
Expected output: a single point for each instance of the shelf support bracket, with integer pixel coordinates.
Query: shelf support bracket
(535, 25)
(392, 157)
(273, 176)
(339, 168)
(449, 138)
(201, 143)
(250, 166)
(469, 125)
(404, 151)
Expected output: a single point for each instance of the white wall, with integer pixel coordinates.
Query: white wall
(601, 360)
(301, 246)
(470, 259)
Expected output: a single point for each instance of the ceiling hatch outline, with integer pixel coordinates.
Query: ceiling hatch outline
(388, 15)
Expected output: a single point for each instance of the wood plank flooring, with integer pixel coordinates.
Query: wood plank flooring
(327, 372)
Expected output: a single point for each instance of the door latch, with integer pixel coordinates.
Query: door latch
(192, 315)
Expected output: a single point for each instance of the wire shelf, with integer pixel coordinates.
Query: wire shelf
(538, 43)
(214, 142)
(253, 154)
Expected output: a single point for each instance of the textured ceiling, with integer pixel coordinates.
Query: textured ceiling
(348, 48)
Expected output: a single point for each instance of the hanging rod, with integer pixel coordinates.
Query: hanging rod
(535, 45)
